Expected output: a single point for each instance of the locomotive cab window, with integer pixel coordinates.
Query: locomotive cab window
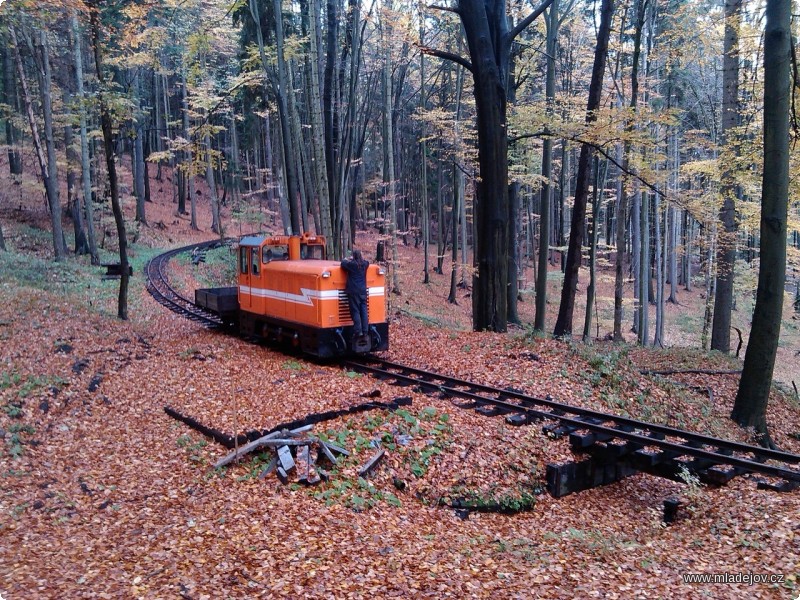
(270, 253)
(255, 263)
(243, 260)
(309, 252)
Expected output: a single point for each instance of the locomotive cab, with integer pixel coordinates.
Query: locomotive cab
(287, 290)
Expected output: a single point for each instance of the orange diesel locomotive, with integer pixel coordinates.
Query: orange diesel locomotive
(287, 291)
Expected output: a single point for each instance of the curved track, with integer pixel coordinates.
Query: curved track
(157, 283)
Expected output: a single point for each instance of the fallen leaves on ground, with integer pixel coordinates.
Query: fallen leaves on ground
(102, 495)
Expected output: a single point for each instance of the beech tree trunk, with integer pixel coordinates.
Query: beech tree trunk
(486, 29)
(593, 225)
(546, 195)
(726, 244)
(644, 266)
(458, 200)
(9, 97)
(86, 167)
(73, 198)
(216, 220)
(567, 306)
(423, 151)
(750, 407)
(108, 144)
(389, 176)
(188, 155)
(636, 259)
(658, 337)
(47, 164)
(321, 188)
(622, 202)
(138, 156)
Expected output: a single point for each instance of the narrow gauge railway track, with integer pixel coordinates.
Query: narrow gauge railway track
(711, 455)
(157, 283)
(715, 460)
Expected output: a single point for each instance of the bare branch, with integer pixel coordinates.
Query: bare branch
(444, 8)
(599, 149)
(447, 56)
(528, 20)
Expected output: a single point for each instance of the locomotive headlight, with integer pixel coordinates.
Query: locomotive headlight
(326, 274)
(381, 271)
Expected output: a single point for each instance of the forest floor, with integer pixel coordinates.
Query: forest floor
(102, 495)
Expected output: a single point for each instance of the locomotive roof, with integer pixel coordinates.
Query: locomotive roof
(252, 240)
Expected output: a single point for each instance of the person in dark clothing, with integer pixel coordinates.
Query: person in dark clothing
(356, 290)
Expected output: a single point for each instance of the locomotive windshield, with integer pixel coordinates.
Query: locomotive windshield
(312, 252)
(270, 253)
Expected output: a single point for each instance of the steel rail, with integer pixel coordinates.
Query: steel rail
(568, 415)
(623, 426)
(157, 283)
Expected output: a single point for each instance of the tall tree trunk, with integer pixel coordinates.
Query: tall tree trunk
(567, 306)
(709, 301)
(489, 294)
(441, 232)
(688, 236)
(513, 251)
(9, 97)
(50, 143)
(160, 126)
(563, 192)
(546, 195)
(458, 199)
(620, 221)
(73, 198)
(188, 154)
(235, 176)
(388, 141)
(86, 168)
(108, 143)
(672, 224)
(658, 339)
(636, 259)
(216, 220)
(138, 153)
(329, 109)
(590, 290)
(423, 150)
(46, 163)
(289, 135)
(726, 245)
(321, 189)
(486, 29)
(644, 266)
(622, 203)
